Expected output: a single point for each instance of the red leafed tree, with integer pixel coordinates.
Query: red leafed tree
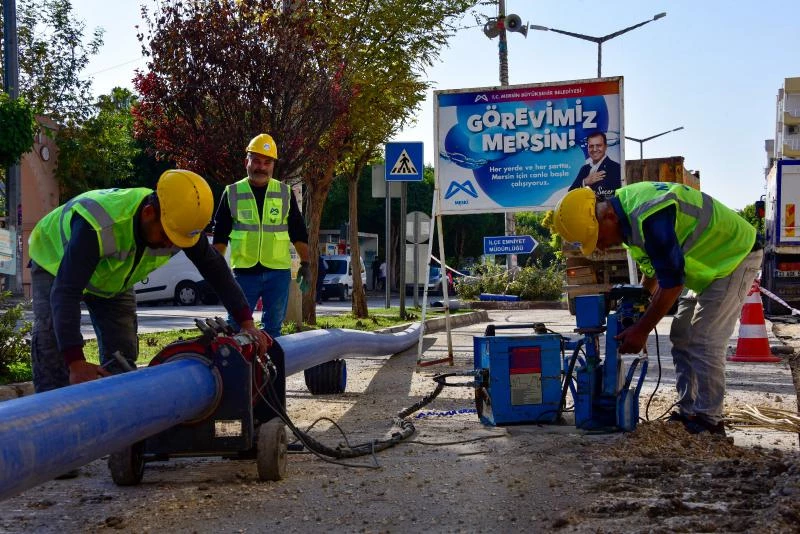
(220, 72)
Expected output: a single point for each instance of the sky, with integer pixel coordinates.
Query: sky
(710, 66)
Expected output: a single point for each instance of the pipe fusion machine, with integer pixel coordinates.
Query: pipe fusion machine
(525, 378)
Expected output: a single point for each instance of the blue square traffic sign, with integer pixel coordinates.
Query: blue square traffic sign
(404, 162)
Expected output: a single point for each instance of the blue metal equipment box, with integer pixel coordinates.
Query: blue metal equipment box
(523, 378)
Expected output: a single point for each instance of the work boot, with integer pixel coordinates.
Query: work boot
(698, 425)
(676, 417)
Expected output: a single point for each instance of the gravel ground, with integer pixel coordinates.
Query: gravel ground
(457, 475)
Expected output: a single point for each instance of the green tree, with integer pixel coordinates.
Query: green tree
(101, 152)
(17, 125)
(532, 224)
(52, 57)
(749, 214)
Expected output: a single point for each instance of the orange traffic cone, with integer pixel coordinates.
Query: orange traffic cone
(753, 345)
(260, 307)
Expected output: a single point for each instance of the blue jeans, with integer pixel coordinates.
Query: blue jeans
(273, 288)
(700, 332)
(114, 321)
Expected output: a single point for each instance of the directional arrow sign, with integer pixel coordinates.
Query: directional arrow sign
(509, 244)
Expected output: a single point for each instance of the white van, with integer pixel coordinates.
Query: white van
(177, 280)
(339, 278)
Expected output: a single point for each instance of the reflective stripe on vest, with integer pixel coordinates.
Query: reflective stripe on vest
(703, 215)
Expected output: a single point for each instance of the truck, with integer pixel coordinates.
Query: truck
(599, 272)
(780, 272)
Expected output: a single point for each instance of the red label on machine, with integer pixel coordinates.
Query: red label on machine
(525, 360)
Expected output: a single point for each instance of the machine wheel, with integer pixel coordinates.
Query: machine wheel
(345, 294)
(571, 305)
(127, 466)
(186, 293)
(271, 458)
(327, 378)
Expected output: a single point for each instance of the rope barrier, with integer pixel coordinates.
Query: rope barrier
(777, 299)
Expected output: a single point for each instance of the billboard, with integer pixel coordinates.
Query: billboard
(522, 147)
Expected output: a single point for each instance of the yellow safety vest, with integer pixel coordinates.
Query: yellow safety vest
(714, 238)
(260, 238)
(112, 214)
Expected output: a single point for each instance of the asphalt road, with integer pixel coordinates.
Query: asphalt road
(157, 318)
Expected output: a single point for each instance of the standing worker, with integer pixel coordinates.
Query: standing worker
(680, 238)
(259, 215)
(96, 247)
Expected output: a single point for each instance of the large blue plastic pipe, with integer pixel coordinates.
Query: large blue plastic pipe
(307, 349)
(45, 435)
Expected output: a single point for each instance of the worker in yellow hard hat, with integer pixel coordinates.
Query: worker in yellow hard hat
(95, 248)
(259, 216)
(680, 238)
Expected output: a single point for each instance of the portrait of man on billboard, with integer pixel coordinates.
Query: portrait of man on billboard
(600, 172)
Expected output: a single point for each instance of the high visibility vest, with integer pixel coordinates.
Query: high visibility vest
(260, 238)
(112, 214)
(714, 238)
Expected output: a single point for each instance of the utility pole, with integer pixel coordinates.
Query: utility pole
(509, 221)
(13, 182)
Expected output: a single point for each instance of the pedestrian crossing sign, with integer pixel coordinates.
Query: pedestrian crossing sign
(404, 161)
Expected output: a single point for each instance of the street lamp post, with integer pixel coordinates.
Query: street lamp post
(598, 40)
(646, 139)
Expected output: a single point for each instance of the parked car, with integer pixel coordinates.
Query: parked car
(178, 281)
(434, 283)
(339, 279)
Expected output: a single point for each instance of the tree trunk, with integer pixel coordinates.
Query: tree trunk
(359, 296)
(317, 189)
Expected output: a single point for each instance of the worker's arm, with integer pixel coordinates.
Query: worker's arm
(666, 257)
(650, 284)
(214, 269)
(223, 224)
(81, 256)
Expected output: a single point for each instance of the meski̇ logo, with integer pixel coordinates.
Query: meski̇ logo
(466, 187)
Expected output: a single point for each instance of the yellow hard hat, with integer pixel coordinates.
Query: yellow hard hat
(186, 206)
(263, 144)
(575, 219)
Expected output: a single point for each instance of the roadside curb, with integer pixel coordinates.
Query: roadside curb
(21, 389)
(438, 324)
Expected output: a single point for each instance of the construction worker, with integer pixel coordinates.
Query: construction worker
(95, 248)
(680, 238)
(259, 216)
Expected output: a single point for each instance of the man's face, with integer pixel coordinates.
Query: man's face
(609, 233)
(259, 167)
(597, 148)
(152, 229)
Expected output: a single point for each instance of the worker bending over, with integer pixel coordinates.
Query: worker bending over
(680, 238)
(95, 248)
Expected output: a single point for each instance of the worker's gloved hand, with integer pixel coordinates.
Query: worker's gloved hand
(83, 371)
(632, 340)
(304, 276)
(262, 340)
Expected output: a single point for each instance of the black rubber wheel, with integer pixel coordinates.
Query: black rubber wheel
(271, 445)
(186, 293)
(344, 294)
(327, 378)
(127, 466)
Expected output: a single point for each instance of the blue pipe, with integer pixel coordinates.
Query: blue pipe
(307, 349)
(45, 435)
